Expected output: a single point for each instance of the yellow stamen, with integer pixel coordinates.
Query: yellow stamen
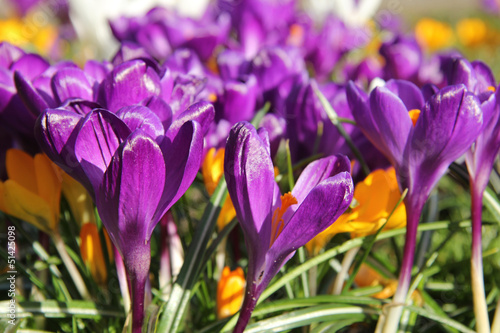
(491, 88)
(277, 225)
(296, 35)
(414, 114)
(212, 98)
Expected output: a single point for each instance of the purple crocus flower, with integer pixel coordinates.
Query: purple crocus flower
(479, 79)
(403, 57)
(449, 122)
(274, 229)
(135, 169)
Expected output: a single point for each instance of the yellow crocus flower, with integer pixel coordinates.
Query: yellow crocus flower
(374, 198)
(212, 171)
(92, 254)
(26, 33)
(433, 35)
(230, 292)
(472, 31)
(32, 191)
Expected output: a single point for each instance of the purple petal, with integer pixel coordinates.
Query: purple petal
(71, 83)
(100, 135)
(182, 160)
(358, 103)
(202, 112)
(249, 176)
(141, 117)
(30, 65)
(9, 54)
(131, 189)
(322, 206)
(408, 92)
(318, 171)
(128, 84)
(393, 122)
(31, 97)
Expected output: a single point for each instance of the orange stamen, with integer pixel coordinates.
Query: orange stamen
(491, 88)
(414, 114)
(277, 225)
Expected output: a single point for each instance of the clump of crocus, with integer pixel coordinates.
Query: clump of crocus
(275, 225)
(230, 292)
(135, 168)
(92, 252)
(420, 148)
(374, 199)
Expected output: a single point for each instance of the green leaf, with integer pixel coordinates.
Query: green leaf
(439, 318)
(54, 309)
(181, 292)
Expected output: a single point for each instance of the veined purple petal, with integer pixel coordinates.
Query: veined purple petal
(249, 176)
(202, 112)
(98, 138)
(182, 160)
(71, 83)
(318, 171)
(141, 117)
(131, 189)
(128, 84)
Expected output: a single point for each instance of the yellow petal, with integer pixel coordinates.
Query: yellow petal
(49, 179)
(28, 206)
(230, 292)
(3, 206)
(226, 215)
(79, 200)
(213, 168)
(92, 255)
(21, 169)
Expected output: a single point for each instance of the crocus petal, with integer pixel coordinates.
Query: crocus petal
(322, 206)
(129, 83)
(182, 159)
(449, 123)
(136, 116)
(31, 98)
(21, 169)
(249, 175)
(484, 76)
(28, 206)
(202, 112)
(98, 138)
(393, 122)
(358, 103)
(408, 92)
(71, 83)
(318, 171)
(56, 134)
(31, 65)
(131, 189)
(48, 181)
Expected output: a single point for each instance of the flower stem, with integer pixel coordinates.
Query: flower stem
(414, 207)
(477, 278)
(247, 307)
(70, 266)
(495, 327)
(346, 264)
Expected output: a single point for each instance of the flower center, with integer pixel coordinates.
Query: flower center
(414, 114)
(277, 225)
